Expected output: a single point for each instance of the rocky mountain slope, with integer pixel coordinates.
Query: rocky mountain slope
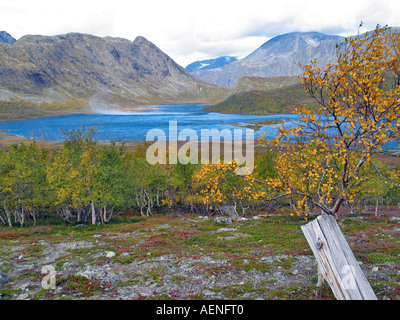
(279, 56)
(110, 70)
(6, 38)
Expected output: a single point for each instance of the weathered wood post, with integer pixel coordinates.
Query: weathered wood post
(336, 261)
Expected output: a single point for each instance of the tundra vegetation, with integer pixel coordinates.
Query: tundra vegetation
(328, 163)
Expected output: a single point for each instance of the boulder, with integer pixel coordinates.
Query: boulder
(101, 274)
(228, 210)
(223, 220)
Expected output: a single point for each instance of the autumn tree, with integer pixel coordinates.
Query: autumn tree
(23, 186)
(112, 181)
(218, 184)
(145, 184)
(72, 175)
(327, 156)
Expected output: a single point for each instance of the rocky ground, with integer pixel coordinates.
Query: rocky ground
(188, 257)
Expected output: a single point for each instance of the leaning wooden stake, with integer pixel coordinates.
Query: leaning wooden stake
(336, 261)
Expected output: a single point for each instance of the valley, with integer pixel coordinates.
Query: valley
(112, 221)
(74, 73)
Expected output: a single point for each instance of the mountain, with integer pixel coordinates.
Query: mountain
(105, 70)
(269, 95)
(279, 56)
(252, 83)
(210, 64)
(6, 38)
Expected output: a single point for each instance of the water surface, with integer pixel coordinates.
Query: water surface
(134, 125)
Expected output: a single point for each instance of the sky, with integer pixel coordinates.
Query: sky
(190, 30)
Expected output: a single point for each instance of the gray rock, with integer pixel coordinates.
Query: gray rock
(223, 220)
(223, 230)
(272, 259)
(110, 254)
(22, 296)
(213, 295)
(228, 210)
(3, 278)
(101, 274)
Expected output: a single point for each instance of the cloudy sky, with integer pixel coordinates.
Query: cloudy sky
(190, 30)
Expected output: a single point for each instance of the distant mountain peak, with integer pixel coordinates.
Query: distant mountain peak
(295, 41)
(6, 38)
(210, 63)
(139, 40)
(279, 56)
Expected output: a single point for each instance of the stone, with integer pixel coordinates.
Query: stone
(223, 230)
(223, 220)
(22, 296)
(110, 254)
(228, 210)
(100, 274)
(3, 278)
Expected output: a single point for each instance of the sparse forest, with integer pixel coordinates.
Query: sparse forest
(88, 182)
(333, 162)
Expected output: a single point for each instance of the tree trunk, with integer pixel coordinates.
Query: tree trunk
(7, 215)
(93, 212)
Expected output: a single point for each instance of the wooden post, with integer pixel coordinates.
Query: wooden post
(336, 261)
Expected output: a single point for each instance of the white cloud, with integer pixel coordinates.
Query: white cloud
(190, 30)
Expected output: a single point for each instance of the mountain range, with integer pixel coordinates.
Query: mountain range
(279, 56)
(210, 63)
(117, 72)
(106, 70)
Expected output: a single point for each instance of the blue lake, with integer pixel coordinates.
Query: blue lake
(134, 125)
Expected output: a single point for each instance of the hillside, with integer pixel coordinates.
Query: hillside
(258, 95)
(279, 56)
(250, 83)
(109, 71)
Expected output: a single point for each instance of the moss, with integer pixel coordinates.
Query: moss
(9, 293)
(381, 257)
(78, 285)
